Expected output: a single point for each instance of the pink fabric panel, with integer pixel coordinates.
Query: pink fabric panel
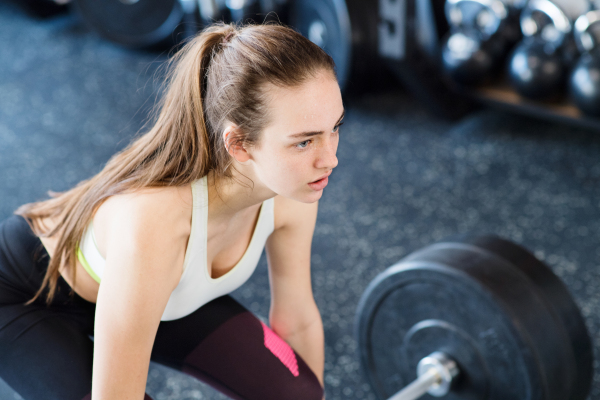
(280, 349)
(89, 397)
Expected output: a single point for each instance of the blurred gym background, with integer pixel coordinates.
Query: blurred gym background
(462, 116)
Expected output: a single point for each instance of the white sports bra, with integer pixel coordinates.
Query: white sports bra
(195, 287)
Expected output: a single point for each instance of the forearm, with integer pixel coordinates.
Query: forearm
(309, 343)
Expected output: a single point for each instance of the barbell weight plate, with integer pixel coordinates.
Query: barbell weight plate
(274, 10)
(367, 68)
(418, 308)
(42, 8)
(478, 308)
(558, 299)
(562, 308)
(327, 24)
(258, 11)
(133, 23)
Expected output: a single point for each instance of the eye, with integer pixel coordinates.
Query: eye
(302, 145)
(337, 127)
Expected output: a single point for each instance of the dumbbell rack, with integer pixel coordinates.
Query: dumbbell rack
(416, 68)
(501, 95)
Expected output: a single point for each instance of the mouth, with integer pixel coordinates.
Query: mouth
(320, 183)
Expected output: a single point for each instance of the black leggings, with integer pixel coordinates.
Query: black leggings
(46, 352)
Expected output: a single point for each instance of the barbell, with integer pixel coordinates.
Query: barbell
(476, 317)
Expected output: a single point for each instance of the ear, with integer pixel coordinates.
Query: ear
(233, 144)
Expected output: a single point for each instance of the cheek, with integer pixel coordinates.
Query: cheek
(289, 168)
(284, 170)
(274, 164)
(281, 167)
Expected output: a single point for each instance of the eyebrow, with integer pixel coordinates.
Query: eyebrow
(315, 133)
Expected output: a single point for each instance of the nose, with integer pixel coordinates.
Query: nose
(327, 158)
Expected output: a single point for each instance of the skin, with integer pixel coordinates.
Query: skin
(143, 237)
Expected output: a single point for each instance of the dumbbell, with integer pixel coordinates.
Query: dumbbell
(539, 65)
(481, 32)
(474, 317)
(584, 81)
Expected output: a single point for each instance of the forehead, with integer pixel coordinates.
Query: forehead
(310, 106)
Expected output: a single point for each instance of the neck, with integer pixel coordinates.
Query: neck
(230, 196)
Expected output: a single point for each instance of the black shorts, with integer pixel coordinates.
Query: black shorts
(46, 351)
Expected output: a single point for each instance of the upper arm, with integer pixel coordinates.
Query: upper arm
(288, 254)
(144, 256)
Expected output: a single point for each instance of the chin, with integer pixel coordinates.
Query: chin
(306, 197)
(312, 197)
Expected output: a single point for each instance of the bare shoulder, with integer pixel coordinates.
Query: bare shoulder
(290, 213)
(146, 213)
(162, 200)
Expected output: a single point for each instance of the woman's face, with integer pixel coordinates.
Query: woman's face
(297, 151)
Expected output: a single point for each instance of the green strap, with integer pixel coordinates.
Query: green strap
(86, 266)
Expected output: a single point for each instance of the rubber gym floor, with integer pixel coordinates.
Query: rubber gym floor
(406, 178)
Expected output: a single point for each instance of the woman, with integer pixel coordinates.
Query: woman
(240, 152)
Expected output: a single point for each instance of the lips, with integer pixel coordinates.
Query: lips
(320, 183)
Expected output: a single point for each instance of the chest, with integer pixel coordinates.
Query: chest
(226, 243)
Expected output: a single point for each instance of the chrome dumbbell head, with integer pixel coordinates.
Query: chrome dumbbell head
(482, 16)
(515, 4)
(587, 31)
(545, 20)
(573, 8)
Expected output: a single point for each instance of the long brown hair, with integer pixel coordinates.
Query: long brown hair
(218, 76)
